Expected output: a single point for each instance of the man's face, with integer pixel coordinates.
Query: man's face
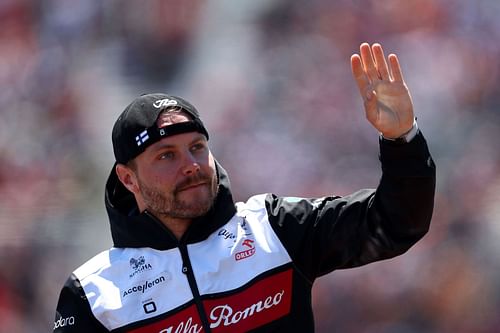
(176, 176)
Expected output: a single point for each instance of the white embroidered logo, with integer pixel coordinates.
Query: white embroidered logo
(164, 102)
(141, 138)
(183, 327)
(62, 322)
(225, 315)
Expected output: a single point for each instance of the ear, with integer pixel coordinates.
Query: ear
(127, 177)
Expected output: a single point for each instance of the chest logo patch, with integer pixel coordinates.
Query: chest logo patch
(248, 249)
(139, 265)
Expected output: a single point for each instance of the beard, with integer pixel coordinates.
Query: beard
(169, 204)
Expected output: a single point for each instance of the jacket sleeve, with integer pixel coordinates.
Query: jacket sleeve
(330, 233)
(73, 313)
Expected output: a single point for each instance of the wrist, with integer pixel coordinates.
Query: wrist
(405, 137)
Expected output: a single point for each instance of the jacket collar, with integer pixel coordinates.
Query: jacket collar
(129, 228)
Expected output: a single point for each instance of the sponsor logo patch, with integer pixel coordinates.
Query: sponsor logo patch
(141, 287)
(63, 322)
(248, 249)
(149, 307)
(226, 234)
(261, 303)
(139, 265)
(185, 321)
(164, 102)
(241, 240)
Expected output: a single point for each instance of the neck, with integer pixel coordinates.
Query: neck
(177, 226)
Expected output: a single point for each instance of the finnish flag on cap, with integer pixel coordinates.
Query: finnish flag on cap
(141, 138)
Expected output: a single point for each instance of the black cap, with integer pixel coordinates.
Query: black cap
(136, 129)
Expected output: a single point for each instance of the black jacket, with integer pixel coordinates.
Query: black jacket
(246, 266)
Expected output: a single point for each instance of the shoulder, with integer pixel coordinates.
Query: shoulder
(254, 203)
(282, 206)
(99, 262)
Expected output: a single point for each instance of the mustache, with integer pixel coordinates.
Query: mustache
(193, 180)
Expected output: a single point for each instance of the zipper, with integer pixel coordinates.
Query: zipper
(187, 269)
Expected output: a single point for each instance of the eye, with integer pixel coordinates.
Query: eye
(198, 146)
(166, 156)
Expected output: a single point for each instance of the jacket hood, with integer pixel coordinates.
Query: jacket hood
(129, 228)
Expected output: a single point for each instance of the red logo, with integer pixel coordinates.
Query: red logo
(246, 253)
(261, 303)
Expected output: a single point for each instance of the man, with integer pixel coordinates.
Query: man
(187, 259)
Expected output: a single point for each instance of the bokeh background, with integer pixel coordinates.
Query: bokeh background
(272, 81)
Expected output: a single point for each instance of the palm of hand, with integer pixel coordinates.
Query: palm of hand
(388, 104)
(393, 114)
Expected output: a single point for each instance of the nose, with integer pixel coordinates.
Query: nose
(190, 166)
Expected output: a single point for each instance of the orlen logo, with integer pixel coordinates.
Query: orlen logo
(62, 322)
(249, 249)
(164, 102)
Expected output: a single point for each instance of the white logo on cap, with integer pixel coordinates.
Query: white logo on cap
(164, 102)
(141, 138)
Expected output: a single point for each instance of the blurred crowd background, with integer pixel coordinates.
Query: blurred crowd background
(273, 83)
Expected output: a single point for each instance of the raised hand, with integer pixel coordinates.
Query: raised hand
(387, 101)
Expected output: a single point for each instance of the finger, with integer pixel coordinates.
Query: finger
(396, 72)
(359, 75)
(368, 62)
(378, 54)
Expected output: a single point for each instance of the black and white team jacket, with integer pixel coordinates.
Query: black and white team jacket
(245, 266)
